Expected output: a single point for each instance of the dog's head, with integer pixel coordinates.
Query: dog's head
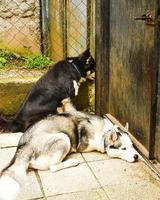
(120, 145)
(84, 63)
(90, 68)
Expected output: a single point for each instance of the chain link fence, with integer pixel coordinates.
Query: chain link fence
(55, 28)
(20, 26)
(31, 28)
(67, 27)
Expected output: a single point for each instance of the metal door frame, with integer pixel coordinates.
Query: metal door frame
(102, 56)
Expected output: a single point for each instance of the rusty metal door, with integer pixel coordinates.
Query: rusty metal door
(132, 68)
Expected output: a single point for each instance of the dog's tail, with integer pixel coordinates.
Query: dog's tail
(9, 125)
(5, 124)
(13, 177)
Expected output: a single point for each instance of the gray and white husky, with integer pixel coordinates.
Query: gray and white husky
(46, 144)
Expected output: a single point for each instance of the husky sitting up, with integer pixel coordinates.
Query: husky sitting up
(45, 145)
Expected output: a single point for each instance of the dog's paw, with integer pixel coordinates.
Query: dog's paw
(64, 165)
(73, 162)
(91, 76)
(66, 100)
(54, 168)
(59, 109)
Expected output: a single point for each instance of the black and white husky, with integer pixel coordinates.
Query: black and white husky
(60, 82)
(45, 145)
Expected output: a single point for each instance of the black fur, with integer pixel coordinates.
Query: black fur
(48, 92)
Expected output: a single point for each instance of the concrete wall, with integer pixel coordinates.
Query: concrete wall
(20, 25)
(14, 88)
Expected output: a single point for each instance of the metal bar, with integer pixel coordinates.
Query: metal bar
(65, 28)
(88, 23)
(44, 23)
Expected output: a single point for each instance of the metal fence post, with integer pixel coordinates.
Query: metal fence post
(44, 23)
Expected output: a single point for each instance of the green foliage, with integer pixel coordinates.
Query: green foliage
(38, 61)
(10, 60)
(2, 62)
(10, 55)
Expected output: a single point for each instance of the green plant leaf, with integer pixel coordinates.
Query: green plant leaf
(3, 61)
(38, 61)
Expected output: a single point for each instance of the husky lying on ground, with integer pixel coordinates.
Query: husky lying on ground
(46, 144)
(60, 82)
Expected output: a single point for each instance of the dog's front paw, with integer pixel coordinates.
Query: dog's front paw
(54, 168)
(73, 162)
(64, 165)
(59, 109)
(67, 105)
(66, 100)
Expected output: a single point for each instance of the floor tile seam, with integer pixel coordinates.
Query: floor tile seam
(79, 191)
(101, 186)
(40, 184)
(89, 161)
(144, 179)
(151, 168)
(7, 147)
(37, 198)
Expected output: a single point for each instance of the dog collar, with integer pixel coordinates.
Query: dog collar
(104, 143)
(74, 65)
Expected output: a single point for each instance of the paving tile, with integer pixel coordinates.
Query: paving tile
(94, 156)
(68, 180)
(144, 190)
(39, 199)
(116, 171)
(97, 194)
(77, 156)
(31, 188)
(151, 172)
(9, 140)
(6, 155)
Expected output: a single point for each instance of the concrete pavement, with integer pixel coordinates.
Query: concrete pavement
(97, 177)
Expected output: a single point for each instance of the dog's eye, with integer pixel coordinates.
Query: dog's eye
(112, 147)
(118, 133)
(124, 148)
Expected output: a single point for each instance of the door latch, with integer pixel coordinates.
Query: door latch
(149, 19)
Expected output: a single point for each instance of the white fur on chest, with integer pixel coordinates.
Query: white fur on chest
(76, 87)
(98, 143)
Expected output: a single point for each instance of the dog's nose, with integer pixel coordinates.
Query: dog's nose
(136, 156)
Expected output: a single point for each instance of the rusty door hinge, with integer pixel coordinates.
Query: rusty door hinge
(149, 18)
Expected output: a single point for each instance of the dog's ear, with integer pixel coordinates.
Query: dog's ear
(92, 64)
(85, 55)
(112, 137)
(91, 61)
(127, 126)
